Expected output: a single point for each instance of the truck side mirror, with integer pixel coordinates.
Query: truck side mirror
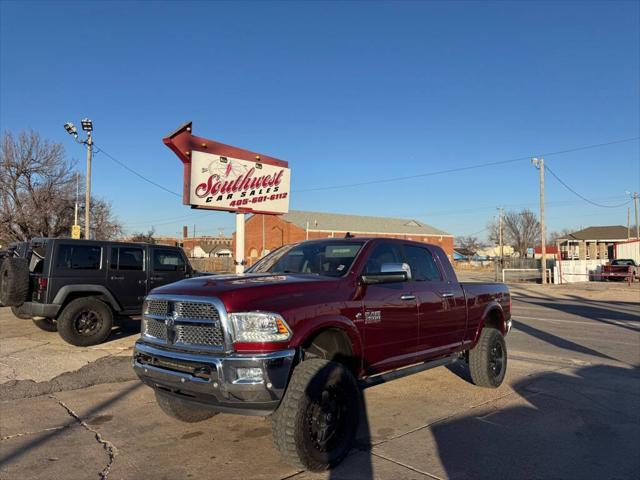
(389, 273)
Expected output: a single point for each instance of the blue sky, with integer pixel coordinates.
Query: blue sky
(346, 92)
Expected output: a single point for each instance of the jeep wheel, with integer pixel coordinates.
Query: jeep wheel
(488, 359)
(181, 410)
(316, 422)
(18, 313)
(85, 321)
(14, 281)
(46, 324)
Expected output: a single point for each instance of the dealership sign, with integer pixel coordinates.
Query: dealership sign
(227, 183)
(222, 177)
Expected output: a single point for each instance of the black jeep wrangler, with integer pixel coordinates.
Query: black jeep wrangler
(77, 287)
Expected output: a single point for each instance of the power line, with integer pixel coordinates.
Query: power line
(462, 169)
(139, 175)
(581, 196)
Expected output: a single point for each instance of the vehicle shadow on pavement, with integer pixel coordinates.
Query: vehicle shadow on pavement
(581, 424)
(124, 327)
(359, 463)
(610, 316)
(557, 341)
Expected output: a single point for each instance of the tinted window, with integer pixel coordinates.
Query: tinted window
(79, 257)
(383, 253)
(127, 258)
(423, 266)
(321, 258)
(167, 261)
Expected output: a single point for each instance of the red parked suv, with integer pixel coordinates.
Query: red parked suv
(307, 327)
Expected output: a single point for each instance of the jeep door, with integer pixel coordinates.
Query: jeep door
(390, 314)
(126, 277)
(168, 265)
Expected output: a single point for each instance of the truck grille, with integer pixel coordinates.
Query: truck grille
(189, 324)
(199, 335)
(157, 307)
(155, 329)
(196, 310)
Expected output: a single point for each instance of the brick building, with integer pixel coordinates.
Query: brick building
(264, 233)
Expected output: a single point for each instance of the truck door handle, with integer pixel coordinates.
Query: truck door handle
(446, 294)
(116, 277)
(407, 297)
(156, 277)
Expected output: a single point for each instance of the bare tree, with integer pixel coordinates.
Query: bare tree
(37, 191)
(470, 243)
(144, 237)
(557, 235)
(521, 230)
(103, 223)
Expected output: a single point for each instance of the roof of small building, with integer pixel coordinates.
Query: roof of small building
(607, 232)
(336, 222)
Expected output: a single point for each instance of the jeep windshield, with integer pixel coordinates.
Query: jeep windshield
(328, 258)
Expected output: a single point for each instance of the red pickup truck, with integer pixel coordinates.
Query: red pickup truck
(620, 269)
(307, 327)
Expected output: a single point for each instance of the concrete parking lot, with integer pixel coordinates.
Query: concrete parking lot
(569, 408)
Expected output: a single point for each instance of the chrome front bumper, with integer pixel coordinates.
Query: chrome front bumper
(212, 381)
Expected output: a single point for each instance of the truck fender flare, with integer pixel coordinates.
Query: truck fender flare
(491, 307)
(65, 291)
(328, 322)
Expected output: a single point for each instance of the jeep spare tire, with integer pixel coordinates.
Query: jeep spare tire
(14, 281)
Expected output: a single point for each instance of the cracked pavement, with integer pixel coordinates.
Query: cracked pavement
(568, 409)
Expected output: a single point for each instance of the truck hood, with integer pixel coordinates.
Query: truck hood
(253, 291)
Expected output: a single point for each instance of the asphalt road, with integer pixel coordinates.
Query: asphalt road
(568, 408)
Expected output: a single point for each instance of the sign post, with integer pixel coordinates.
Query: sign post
(226, 178)
(239, 243)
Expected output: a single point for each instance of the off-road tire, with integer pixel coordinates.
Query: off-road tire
(292, 431)
(181, 410)
(14, 281)
(46, 324)
(70, 322)
(19, 314)
(482, 359)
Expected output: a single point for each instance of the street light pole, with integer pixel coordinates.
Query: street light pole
(635, 204)
(87, 126)
(87, 194)
(539, 164)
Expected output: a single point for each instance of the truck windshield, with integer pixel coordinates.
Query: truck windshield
(332, 259)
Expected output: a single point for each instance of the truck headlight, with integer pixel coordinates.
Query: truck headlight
(259, 327)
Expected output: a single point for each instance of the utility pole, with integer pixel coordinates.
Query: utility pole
(539, 164)
(87, 193)
(628, 223)
(635, 205)
(75, 216)
(500, 236)
(87, 126)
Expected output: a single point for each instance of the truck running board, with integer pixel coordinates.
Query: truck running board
(374, 380)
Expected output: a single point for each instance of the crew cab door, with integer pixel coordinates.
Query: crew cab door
(441, 303)
(389, 314)
(126, 275)
(168, 265)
